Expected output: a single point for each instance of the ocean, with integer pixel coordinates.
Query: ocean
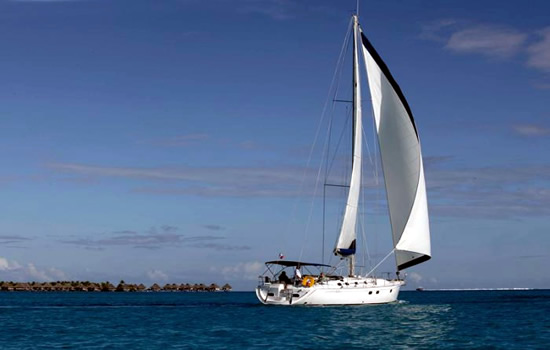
(236, 320)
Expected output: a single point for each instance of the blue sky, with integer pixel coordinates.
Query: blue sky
(168, 141)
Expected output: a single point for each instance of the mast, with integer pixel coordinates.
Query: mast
(356, 112)
(356, 88)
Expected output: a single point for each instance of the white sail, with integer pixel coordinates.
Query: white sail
(401, 161)
(345, 245)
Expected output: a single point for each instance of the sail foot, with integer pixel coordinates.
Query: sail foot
(406, 259)
(345, 252)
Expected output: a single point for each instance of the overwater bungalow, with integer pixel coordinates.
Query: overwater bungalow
(94, 287)
(213, 287)
(22, 286)
(6, 286)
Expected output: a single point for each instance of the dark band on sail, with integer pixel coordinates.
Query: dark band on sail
(346, 252)
(413, 262)
(390, 78)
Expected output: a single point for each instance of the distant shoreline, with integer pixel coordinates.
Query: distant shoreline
(87, 286)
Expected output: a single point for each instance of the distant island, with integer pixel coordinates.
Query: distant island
(87, 286)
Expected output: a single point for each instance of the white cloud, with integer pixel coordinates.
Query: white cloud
(531, 130)
(415, 277)
(494, 41)
(242, 271)
(491, 40)
(157, 275)
(56, 274)
(539, 53)
(437, 30)
(36, 274)
(12, 270)
(6, 265)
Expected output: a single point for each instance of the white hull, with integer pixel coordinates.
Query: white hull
(349, 291)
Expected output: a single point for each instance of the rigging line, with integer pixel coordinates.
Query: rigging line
(334, 268)
(364, 236)
(362, 217)
(377, 159)
(310, 211)
(336, 92)
(367, 144)
(323, 113)
(374, 268)
(362, 220)
(325, 187)
(326, 151)
(324, 210)
(334, 79)
(346, 46)
(348, 113)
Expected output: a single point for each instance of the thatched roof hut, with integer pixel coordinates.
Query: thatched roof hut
(226, 287)
(155, 288)
(80, 287)
(107, 287)
(6, 286)
(22, 286)
(124, 287)
(213, 287)
(93, 287)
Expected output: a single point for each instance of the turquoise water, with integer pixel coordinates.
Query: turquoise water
(473, 319)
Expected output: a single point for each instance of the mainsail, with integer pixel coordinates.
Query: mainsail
(401, 161)
(345, 245)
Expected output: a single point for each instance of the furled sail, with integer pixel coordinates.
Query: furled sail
(345, 245)
(401, 161)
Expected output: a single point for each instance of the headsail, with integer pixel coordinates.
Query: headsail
(345, 245)
(402, 163)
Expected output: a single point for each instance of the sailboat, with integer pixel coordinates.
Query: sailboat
(401, 158)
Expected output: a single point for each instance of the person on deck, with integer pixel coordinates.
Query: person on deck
(298, 274)
(283, 278)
